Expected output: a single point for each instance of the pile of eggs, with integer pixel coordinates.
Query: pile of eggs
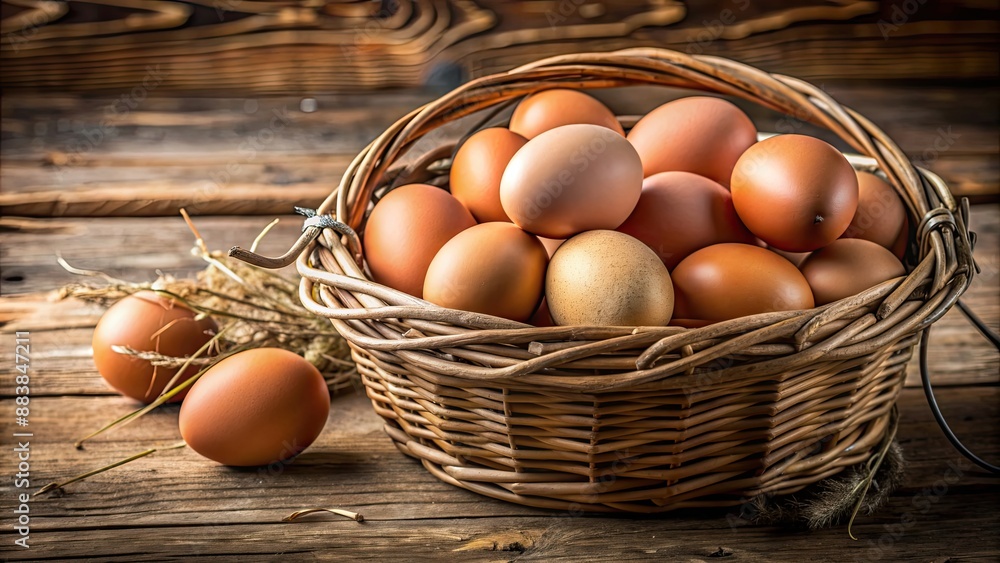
(687, 219)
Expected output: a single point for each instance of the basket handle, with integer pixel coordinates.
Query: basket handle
(312, 227)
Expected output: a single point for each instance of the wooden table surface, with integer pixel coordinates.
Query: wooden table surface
(68, 190)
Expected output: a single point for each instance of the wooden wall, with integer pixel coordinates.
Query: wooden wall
(255, 47)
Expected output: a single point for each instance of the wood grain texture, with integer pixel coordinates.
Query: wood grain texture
(227, 46)
(178, 505)
(63, 156)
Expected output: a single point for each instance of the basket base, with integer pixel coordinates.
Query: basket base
(505, 491)
(641, 450)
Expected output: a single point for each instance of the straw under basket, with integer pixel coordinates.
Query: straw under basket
(637, 419)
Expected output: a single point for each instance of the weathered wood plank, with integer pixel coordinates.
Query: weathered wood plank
(63, 157)
(132, 249)
(245, 46)
(175, 504)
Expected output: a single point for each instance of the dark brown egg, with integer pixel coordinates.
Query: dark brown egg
(549, 109)
(477, 169)
(680, 212)
(255, 407)
(847, 267)
(902, 241)
(701, 135)
(731, 280)
(880, 215)
(542, 316)
(147, 322)
(492, 268)
(797, 193)
(406, 229)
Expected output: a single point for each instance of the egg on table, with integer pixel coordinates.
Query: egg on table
(148, 322)
(255, 407)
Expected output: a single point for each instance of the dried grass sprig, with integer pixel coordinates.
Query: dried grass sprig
(258, 308)
(356, 516)
(52, 487)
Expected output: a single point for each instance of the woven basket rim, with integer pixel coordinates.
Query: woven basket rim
(335, 284)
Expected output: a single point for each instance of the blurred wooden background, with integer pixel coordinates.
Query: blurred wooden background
(309, 47)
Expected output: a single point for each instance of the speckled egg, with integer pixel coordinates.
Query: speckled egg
(607, 278)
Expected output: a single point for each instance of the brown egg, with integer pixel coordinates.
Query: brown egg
(549, 109)
(572, 179)
(148, 322)
(903, 240)
(880, 213)
(542, 316)
(551, 244)
(847, 267)
(493, 268)
(702, 135)
(731, 280)
(607, 278)
(796, 258)
(477, 168)
(797, 193)
(255, 407)
(406, 229)
(680, 212)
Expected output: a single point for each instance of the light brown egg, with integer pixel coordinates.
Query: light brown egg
(406, 229)
(795, 192)
(731, 280)
(880, 215)
(549, 109)
(148, 322)
(702, 135)
(492, 268)
(572, 179)
(847, 267)
(607, 278)
(680, 212)
(255, 407)
(477, 168)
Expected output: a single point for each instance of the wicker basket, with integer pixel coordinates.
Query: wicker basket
(648, 419)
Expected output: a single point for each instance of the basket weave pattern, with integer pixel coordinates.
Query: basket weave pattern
(643, 419)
